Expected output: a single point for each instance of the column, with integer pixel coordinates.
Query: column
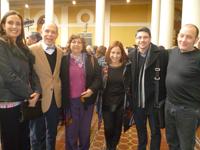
(107, 25)
(166, 23)
(64, 26)
(155, 21)
(26, 13)
(99, 29)
(4, 7)
(26, 17)
(49, 11)
(191, 12)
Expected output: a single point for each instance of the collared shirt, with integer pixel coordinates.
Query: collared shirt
(48, 49)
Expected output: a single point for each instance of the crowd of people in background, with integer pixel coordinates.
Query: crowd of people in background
(72, 81)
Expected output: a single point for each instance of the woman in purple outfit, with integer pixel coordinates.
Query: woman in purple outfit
(81, 78)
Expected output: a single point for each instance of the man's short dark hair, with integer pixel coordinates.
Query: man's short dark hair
(144, 29)
(35, 35)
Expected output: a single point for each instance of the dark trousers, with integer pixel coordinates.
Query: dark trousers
(25, 135)
(141, 116)
(43, 130)
(78, 132)
(181, 124)
(10, 128)
(112, 127)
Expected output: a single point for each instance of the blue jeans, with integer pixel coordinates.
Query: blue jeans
(141, 116)
(181, 124)
(43, 130)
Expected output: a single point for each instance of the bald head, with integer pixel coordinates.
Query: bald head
(49, 33)
(45, 25)
(187, 37)
(193, 27)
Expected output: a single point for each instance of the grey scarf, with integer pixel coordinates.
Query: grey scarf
(141, 83)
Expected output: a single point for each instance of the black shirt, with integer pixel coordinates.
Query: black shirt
(114, 92)
(183, 78)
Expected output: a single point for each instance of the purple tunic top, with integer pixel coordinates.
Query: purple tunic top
(77, 78)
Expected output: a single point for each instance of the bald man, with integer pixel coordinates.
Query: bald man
(183, 90)
(47, 66)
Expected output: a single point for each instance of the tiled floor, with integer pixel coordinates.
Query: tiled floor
(128, 140)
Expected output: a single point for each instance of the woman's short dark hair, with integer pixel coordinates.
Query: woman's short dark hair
(76, 36)
(124, 58)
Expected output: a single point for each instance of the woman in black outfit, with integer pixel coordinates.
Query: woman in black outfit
(18, 82)
(116, 80)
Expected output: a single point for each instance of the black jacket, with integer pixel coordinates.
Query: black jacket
(93, 79)
(17, 79)
(155, 54)
(126, 81)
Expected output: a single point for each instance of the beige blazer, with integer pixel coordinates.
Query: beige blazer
(49, 82)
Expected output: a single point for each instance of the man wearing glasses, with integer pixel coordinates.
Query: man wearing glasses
(146, 60)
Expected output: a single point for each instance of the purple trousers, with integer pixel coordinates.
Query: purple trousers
(78, 132)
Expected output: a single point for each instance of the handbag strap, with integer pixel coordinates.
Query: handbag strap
(157, 79)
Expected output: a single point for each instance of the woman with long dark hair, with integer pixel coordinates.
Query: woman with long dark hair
(18, 82)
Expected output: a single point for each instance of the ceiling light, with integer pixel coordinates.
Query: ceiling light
(74, 2)
(26, 6)
(128, 1)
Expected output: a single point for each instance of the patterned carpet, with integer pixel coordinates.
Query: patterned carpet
(128, 140)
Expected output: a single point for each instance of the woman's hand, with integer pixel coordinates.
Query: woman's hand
(33, 99)
(86, 94)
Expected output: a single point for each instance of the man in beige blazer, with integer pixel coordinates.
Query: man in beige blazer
(43, 130)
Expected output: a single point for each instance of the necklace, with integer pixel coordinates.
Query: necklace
(78, 60)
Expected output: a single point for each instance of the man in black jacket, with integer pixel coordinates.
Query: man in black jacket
(145, 59)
